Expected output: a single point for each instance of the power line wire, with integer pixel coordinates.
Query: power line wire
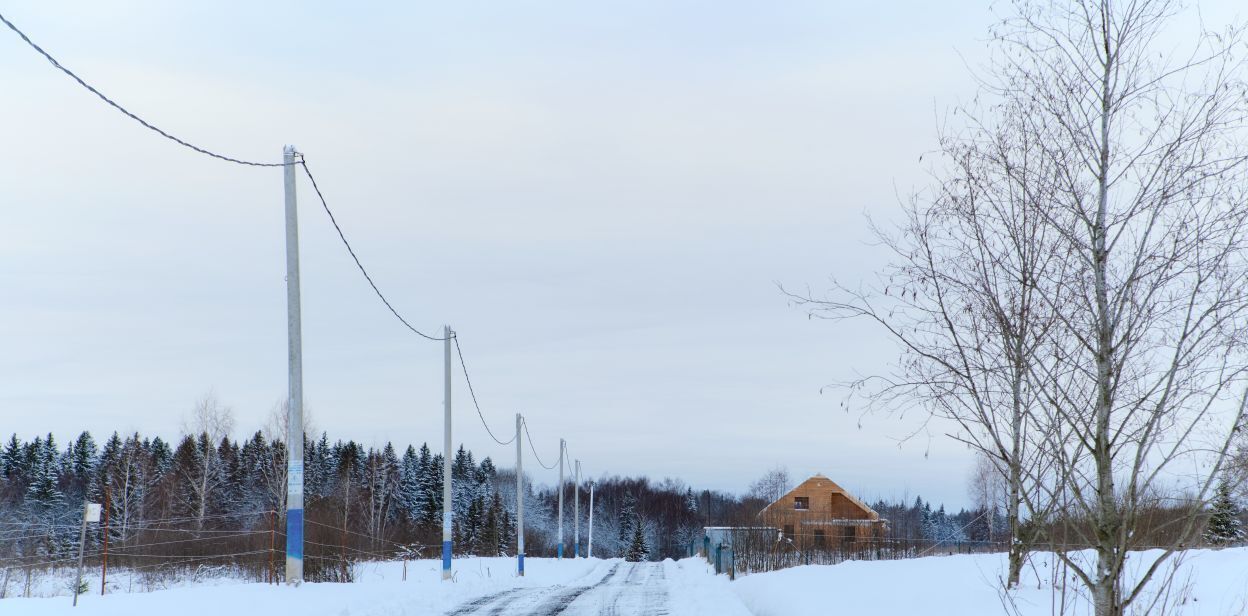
(460, 353)
(304, 163)
(525, 422)
(567, 460)
(125, 111)
(207, 152)
(324, 203)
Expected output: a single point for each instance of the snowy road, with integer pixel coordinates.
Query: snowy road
(481, 586)
(614, 589)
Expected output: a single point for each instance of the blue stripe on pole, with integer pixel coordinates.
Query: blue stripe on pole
(560, 550)
(576, 550)
(446, 555)
(294, 533)
(520, 563)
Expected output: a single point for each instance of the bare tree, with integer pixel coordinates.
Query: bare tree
(208, 424)
(275, 428)
(987, 489)
(772, 485)
(962, 300)
(1147, 202)
(1073, 294)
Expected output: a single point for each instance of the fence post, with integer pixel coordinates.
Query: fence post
(104, 562)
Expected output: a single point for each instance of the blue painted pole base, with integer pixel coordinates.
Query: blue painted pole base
(520, 564)
(576, 550)
(294, 534)
(446, 560)
(560, 551)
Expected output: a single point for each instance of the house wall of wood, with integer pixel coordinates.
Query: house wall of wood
(820, 513)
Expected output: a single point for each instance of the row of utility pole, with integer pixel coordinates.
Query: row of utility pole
(294, 423)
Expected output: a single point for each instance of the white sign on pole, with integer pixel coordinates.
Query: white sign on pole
(93, 512)
(294, 477)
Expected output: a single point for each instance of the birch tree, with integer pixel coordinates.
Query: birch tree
(1072, 294)
(209, 424)
(1148, 202)
(962, 300)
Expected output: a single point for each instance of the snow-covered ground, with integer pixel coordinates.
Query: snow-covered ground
(1207, 583)
(481, 586)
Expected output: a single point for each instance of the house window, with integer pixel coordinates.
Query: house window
(801, 502)
(819, 541)
(849, 534)
(788, 532)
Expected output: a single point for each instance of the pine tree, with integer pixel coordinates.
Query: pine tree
(431, 488)
(83, 463)
(627, 518)
(1224, 524)
(506, 530)
(638, 551)
(11, 459)
(408, 494)
(161, 455)
(927, 523)
(471, 527)
(463, 483)
(43, 490)
(493, 539)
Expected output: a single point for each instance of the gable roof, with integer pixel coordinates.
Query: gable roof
(821, 482)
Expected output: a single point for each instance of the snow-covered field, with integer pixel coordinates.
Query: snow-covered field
(1207, 583)
(481, 586)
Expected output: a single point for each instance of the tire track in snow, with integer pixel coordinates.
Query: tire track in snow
(513, 601)
(562, 601)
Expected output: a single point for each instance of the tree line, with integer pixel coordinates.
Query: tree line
(210, 498)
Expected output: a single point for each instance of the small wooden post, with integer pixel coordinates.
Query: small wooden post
(104, 561)
(272, 544)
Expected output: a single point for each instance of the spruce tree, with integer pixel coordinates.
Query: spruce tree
(162, 456)
(493, 539)
(84, 458)
(429, 502)
(638, 551)
(11, 459)
(1224, 524)
(408, 495)
(627, 518)
(43, 490)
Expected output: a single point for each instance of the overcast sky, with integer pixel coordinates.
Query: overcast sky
(600, 199)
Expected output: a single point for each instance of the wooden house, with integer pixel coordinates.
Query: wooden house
(821, 514)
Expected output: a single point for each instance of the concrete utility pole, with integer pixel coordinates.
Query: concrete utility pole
(576, 512)
(519, 499)
(447, 505)
(589, 550)
(561, 486)
(294, 403)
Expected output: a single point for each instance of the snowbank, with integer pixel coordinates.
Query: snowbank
(703, 592)
(1207, 583)
(379, 591)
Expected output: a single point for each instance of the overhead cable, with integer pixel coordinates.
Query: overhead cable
(304, 163)
(534, 448)
(125, 111)
(473, 394)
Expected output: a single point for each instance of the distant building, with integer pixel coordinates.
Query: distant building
(820, 514)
